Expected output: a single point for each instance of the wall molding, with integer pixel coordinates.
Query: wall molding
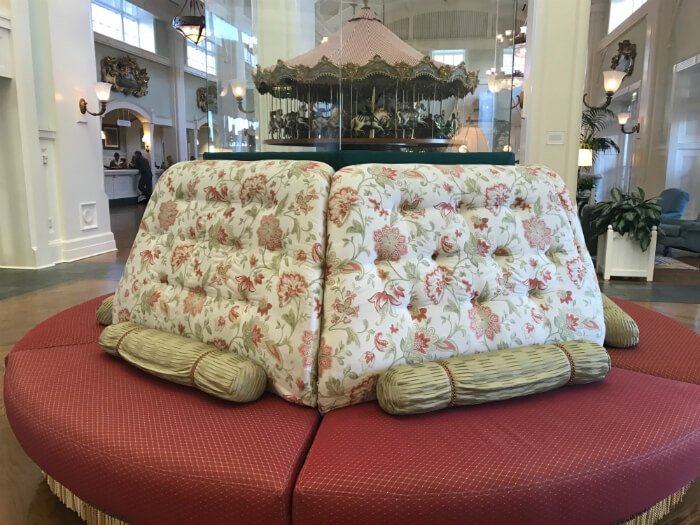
(88, 246)
(625, 26)
(686, 64)
(47, 134)
(131, 50)
(5, 22)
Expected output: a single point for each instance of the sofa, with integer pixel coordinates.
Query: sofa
(680, 234)
(121, 446)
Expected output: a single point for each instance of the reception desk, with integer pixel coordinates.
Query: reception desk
(124, 184)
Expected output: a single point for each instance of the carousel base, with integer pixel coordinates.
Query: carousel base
(365, 143)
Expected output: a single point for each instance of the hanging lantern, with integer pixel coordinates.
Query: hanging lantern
(192, 26)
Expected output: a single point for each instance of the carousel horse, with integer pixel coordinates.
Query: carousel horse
(410, 118)
(380, 120)
(276, 123)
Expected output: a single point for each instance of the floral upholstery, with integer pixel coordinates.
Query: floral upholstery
(231, 254)
(426, 261)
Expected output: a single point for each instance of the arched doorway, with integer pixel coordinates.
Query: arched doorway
(126, 128)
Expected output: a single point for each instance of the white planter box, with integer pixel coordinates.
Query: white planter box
(620, 256)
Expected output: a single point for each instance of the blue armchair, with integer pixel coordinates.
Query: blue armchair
(673, 202)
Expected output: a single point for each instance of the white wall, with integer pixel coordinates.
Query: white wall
(55, 208)
(158, 101)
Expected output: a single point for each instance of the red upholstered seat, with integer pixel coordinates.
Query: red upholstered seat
(666, 348)
(148, 451)
(585, 454)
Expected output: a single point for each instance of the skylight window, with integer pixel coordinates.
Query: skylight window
(620, 10)
(201, 60)
(125, 22)
(451, 57)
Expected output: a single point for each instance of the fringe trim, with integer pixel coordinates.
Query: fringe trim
(87, 512)
(660, 510)
(93, 516)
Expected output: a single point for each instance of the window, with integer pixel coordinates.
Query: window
(200, 59)
(512, 63)
(620, 10)
(250, 48)
(125, 22)
(451, 57)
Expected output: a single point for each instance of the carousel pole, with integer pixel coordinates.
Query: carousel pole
(352, 133)
(308, 111)
(415, 116)
(371, 122)
(396, 111)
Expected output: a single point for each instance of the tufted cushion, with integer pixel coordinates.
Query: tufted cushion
(230, 253)
(426, 261)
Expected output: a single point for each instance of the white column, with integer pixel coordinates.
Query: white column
(85, 221)
(24, 231)
(555, 73)
(177, 74)
(54, 208)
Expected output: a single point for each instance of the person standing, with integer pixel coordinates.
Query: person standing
(145, 176)
(114, 163)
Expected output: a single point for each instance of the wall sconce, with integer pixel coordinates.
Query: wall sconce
(239, 93)
(611, 83)
(102, 90)
(622, 118)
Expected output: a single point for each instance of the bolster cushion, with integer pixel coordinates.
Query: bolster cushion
(490, 376)
(180, 360)
(621, 331)
(104, 311)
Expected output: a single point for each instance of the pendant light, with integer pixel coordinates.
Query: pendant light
(192, 26)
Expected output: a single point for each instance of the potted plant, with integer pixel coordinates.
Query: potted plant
(627, 228)
(593, 121)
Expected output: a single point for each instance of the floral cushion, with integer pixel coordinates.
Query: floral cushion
(425, 262)
(231, 253)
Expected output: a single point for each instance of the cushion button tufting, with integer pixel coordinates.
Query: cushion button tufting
(434, 256)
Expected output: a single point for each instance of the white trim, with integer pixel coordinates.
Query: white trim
(47, 134)
(196, 72)
(162, 121)
(139, 110)
(5, 22)
(625, 26)
(628, 89)
(83, 247)
(132, 50)
(2, 267)
(686, 64)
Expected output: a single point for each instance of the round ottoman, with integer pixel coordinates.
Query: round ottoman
(146, 451)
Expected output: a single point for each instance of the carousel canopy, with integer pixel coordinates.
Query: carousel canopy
(364, 48)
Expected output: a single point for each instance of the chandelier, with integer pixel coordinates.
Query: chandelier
(192, 26)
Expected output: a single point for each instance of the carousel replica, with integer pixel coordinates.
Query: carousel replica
(366, 86)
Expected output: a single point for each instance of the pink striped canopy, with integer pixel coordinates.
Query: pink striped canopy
(358, 41)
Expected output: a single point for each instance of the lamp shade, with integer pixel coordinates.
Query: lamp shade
(238, 89)
(193, 28)
(612, 80)
(585, 157)
(622, 118)
(103, 90)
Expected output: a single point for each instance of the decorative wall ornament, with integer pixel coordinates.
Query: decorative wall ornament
(624, 60)
(125, 75)
(206, 98)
